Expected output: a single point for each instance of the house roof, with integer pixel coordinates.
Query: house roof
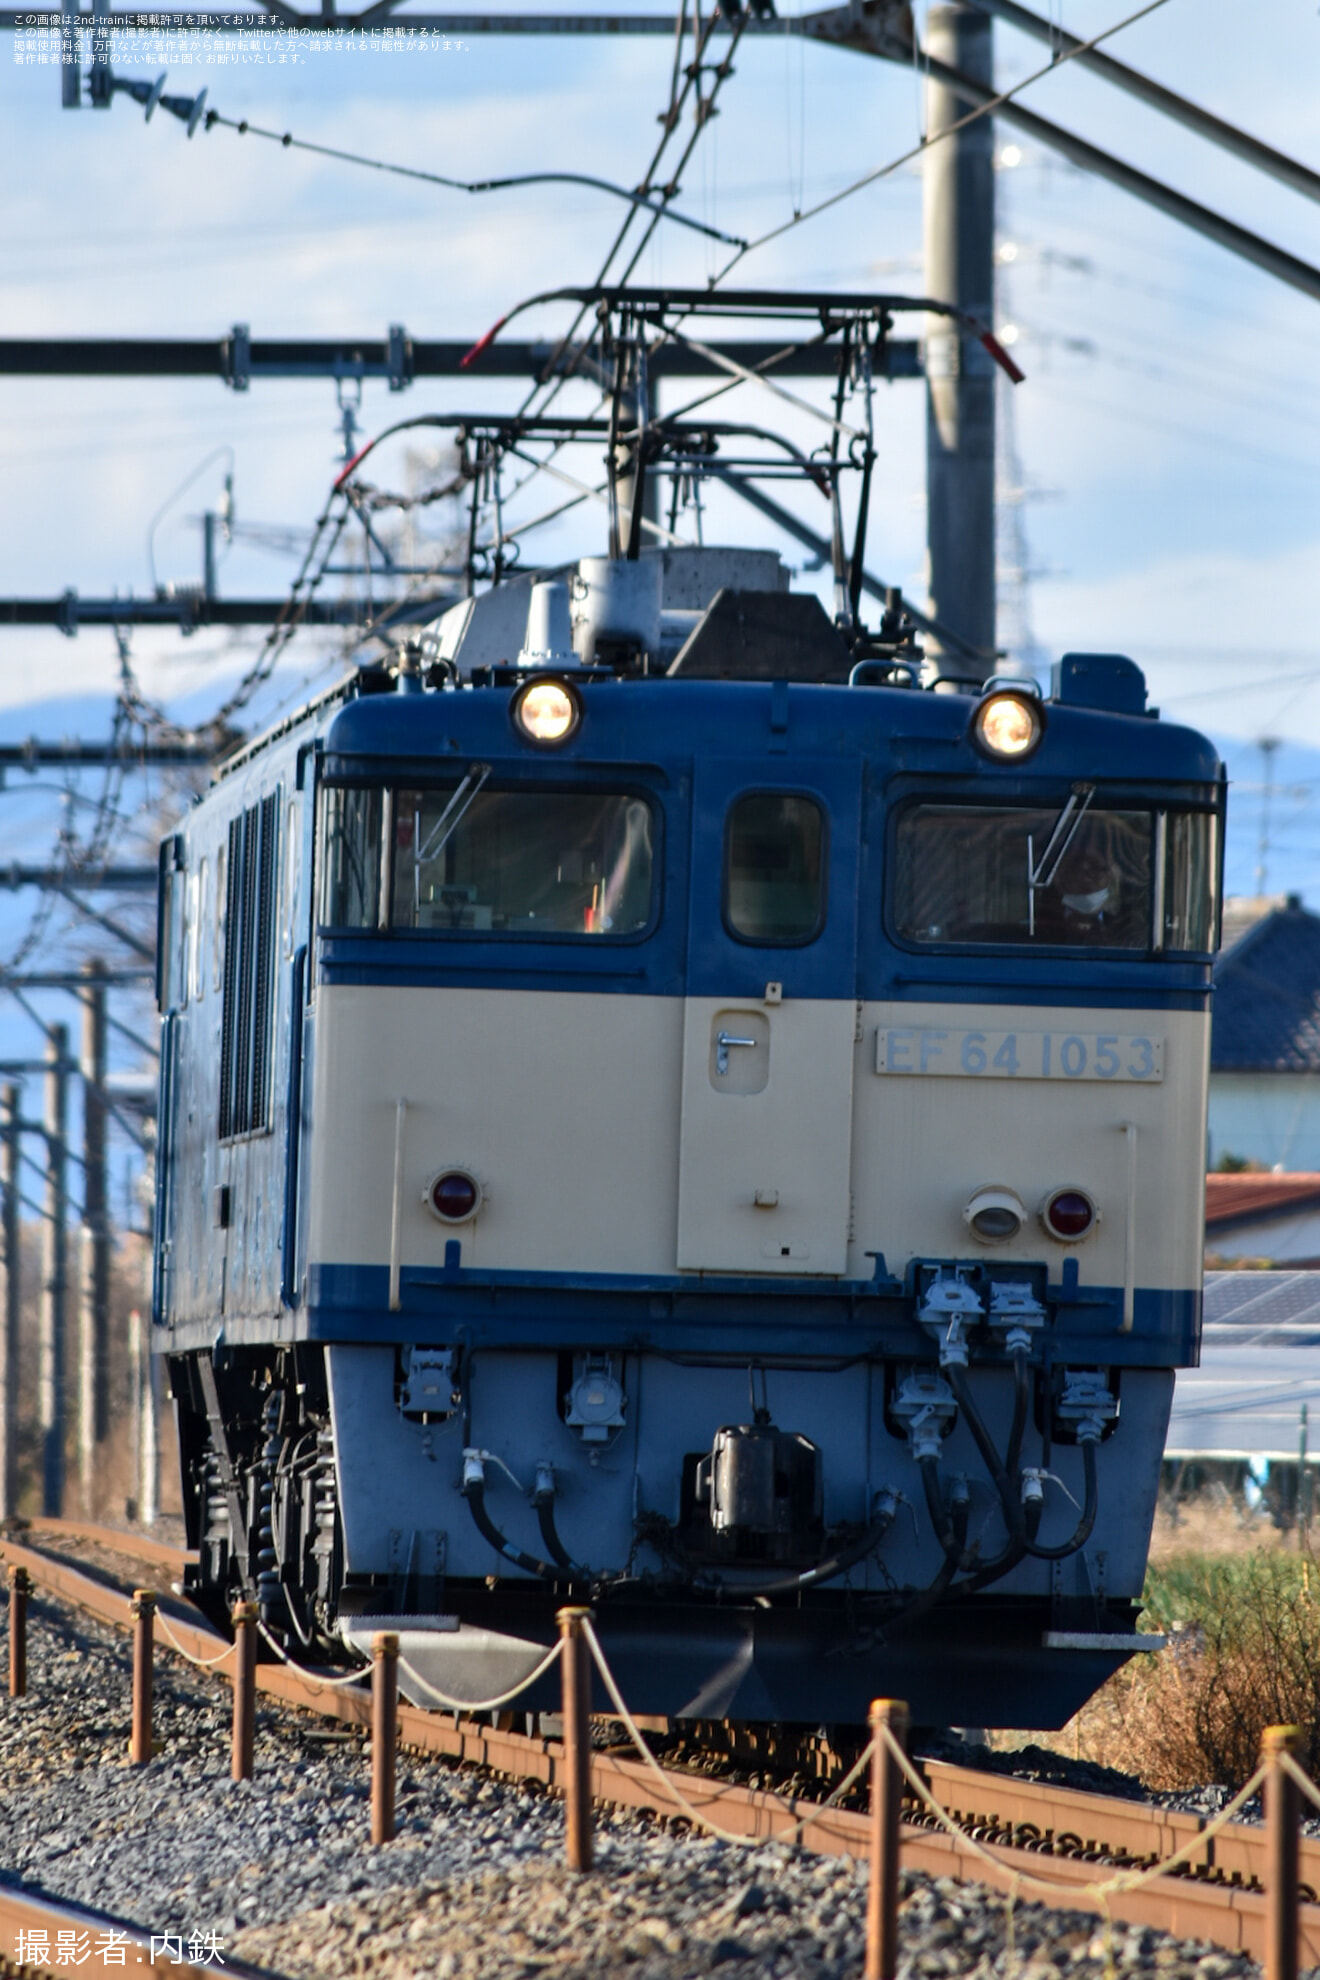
(1267, 996)
(1241, 912)
(1251, 1198)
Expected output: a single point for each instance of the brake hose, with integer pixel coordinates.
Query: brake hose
(828, 1569)
(1087, 1520)
(554, 1546)
(1021, 1402)
(1012, 1511)
(474, 1491)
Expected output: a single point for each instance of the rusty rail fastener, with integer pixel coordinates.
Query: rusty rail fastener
(384, 1732)
(244, 1618)
(889, 1714)
(20, 1587)
(1282, 1832)
(576, 1662)
(144, 1632)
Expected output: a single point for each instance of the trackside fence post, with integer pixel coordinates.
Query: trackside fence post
(144, 1632)
(576, 1661)
(244, 1619)
(886, 1715)
(384, 1732)
(20, 1587)
(1282, 1831)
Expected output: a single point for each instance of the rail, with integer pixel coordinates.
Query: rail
(41, 1935)
(1193, 1876)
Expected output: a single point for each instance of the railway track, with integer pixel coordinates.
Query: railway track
(1038, 1830)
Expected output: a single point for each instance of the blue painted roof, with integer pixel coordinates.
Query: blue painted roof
(1267, 997)
(663, 721)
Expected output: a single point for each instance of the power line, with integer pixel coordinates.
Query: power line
(187, 611)
(990, 104)
(1227, 136)
(639, 199)
(1153, 422)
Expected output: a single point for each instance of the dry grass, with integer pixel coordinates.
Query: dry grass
(1245, 1655)
(1243, 1608)
(1212, 1523)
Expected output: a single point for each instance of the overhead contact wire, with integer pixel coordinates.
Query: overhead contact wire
(638, 197)
(950, 130)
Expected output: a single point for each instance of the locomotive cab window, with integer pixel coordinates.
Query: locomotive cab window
(1073, 875)
(1189, 919)
(463, 859)
(774, 868)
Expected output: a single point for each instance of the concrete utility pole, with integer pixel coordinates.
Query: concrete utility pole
(959, 215)
(94, 1270)
(10, 1113)
(54, 1275)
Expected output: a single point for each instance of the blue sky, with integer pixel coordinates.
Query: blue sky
(1165, 438)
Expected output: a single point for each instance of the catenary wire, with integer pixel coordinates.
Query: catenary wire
(638, 198)
(950, 130)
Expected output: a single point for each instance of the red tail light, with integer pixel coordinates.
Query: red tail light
(1069, 1215)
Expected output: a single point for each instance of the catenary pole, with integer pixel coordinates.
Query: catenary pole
(94, 1264)
(10, 1114)
(959, 222)
(54, 1275)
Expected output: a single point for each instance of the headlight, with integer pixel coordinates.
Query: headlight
(995, 1215)
(547, 711)
(1008, 726)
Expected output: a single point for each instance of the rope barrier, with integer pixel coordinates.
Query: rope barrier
(317, 1682)
(202, 1663)
(675, 1793)
(1122, 1880)
(1277, 1765)
(484, 1704)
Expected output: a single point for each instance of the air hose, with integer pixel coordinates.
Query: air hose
(834, 1565)
(474, 1491)
(1084, 1525)
(1008, 1500)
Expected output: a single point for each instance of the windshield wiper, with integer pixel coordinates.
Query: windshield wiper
(1042, 876)
(454, 812)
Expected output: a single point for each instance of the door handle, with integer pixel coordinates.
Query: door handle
(723, 1041)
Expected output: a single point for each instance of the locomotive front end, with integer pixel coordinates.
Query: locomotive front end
(742, 1165)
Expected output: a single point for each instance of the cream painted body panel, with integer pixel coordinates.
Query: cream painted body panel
(564, 1107)
(923, 1144)
(763, 1179)
(604, 1145)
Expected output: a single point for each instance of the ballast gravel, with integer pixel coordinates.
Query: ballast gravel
(280, 1870)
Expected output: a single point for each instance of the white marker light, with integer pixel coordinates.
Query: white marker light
(1008, 726)
(995, 1215)
(547, 711)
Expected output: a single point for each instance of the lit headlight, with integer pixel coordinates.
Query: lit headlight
(547, 711)
(1008, 726)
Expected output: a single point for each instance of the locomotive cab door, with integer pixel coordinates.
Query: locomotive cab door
(770, 1018)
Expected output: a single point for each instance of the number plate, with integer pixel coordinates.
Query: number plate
(1118, 1056)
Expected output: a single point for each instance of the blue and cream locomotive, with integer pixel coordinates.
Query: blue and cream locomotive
(649, 1118)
